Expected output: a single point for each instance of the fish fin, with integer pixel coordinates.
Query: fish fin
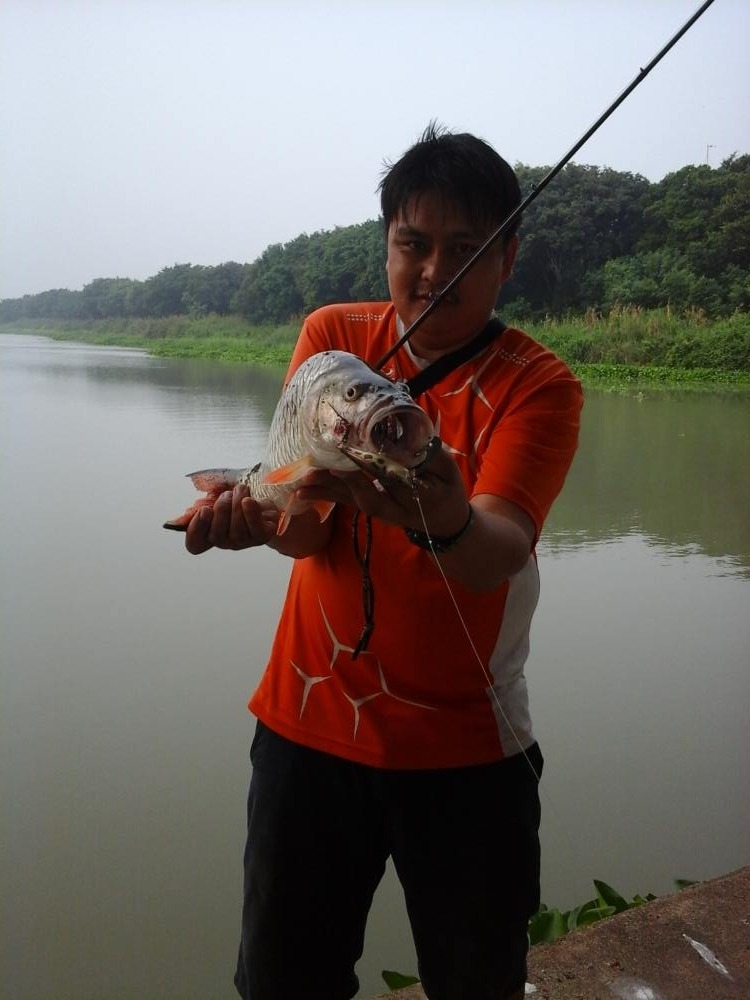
(324, 509)
(215, 480)
(294, 507)
(289, 473)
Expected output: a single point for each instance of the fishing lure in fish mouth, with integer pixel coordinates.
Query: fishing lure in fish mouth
(372, 464)
(387, 440)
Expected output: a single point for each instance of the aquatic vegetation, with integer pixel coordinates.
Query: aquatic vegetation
(549, 924)
(624, 350)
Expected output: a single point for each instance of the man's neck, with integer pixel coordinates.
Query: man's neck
(423, 355)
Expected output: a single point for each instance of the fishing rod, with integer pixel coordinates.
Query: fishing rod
(538, 188)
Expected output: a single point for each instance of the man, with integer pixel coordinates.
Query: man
(421, 747)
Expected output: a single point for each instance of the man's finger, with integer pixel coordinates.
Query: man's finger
(238, 526)
(221, 519)
(196, 536)
(440, 465)
(259, 523)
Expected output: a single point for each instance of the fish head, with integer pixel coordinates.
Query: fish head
(365, 417)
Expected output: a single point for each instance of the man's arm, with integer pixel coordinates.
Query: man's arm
(497, 544)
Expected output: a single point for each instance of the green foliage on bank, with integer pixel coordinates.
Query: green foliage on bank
(213, 338)
(625, 349)
(397, 980)
(548, 924)
(635, 380)
(596, 239)
(656, 337)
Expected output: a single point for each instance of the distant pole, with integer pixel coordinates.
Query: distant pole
(708, 146)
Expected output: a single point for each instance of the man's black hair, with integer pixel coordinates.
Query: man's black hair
(463, 169)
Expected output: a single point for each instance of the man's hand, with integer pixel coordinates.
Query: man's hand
(497, 545)
(235, 521)
(439, 486)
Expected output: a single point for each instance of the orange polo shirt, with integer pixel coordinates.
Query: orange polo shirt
(418, 697)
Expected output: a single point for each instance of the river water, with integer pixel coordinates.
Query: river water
(126, 666)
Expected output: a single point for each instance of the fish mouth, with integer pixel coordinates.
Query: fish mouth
(402, 433)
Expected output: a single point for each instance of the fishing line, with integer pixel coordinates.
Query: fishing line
(549, 801)
(539, 187)
(447, 289)
(475, 651)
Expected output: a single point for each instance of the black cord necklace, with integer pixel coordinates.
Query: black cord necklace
(421, 382)
(368, 591)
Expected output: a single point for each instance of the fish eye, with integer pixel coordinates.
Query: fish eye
(353, 391)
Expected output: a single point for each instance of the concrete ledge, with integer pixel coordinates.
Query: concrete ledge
(693, 945)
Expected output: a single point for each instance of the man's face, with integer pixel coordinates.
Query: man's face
(427, 245)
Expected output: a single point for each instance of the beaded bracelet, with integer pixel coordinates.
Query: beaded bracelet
(436, 544)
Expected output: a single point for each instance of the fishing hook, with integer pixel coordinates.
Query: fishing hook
(433, 447)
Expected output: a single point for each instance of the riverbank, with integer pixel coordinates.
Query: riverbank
(626, 350)
(212, 338)
(687, 946)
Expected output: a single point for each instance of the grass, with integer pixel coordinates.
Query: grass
(548, 925)
(624, 350)
(656, 338)
(636, 378)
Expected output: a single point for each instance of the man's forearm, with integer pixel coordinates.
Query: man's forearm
(496, 546)
(304, 536)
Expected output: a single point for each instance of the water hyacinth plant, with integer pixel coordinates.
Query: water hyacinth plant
(549, 924)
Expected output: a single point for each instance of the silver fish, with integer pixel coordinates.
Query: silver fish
(335, 413)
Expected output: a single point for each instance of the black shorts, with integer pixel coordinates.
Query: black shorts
(465, 846)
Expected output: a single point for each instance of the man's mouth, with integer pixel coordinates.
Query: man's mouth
(430, 296)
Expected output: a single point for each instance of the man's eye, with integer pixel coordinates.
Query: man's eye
(466, 249)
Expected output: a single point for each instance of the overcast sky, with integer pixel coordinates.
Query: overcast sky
(137, 135)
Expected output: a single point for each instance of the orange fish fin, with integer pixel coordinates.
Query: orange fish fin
(324, 508)
(294, 507)
(289, 473)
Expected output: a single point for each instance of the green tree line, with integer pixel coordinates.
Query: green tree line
(595, 239)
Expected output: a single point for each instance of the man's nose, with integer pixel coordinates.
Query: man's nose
(436, 267)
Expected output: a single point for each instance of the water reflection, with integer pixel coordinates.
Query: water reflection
(672, 470)
(24, 361)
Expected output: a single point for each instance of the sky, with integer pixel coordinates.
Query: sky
(137, 135)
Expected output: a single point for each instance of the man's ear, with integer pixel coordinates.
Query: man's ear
(509, 257)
